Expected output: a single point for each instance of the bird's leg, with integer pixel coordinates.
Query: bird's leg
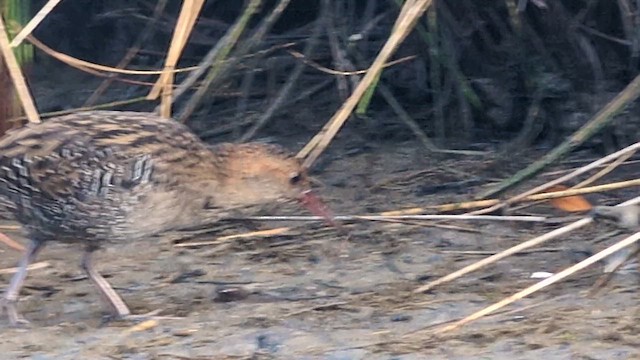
(10, 297)
(110, 295)
(120, 309)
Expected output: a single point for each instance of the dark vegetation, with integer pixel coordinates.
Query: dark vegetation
(517, 73)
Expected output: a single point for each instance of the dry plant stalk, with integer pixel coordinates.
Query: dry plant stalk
(414, 214)
(409, 15)
(16, 75)
(513, 250)
(523, 218)
(609, 168)
(534, 197)
(34, 22)
(299, 56)
(88, 66)
(220, 239)
(34, 266)
(184, 26)
(11, 243)
(544, 283)
(571, 175)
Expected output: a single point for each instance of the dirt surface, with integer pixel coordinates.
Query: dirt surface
(317, 293)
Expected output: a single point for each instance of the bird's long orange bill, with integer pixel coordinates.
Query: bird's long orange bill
(317, 207)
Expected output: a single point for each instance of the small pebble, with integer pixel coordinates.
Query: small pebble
(230, 293)
(184, 332)
(400, 317)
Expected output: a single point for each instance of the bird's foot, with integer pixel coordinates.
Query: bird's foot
(15, 319)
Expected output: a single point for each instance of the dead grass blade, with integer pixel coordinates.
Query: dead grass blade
(300, 56)
(34, 22)
(607, 169)
(10, 227)
(401, 217)
(544, 283)
(34, 266)
(535, 197)
(582, 191)
(513, 250)
(87, 66)
(409, 15)
(17, 77)
(221, 239)
(184, 26)
(629, 149)
(11, 243)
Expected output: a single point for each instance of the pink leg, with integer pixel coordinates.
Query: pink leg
(108, 293)
(10, 297)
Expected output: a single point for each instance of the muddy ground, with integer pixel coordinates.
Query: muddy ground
(317, 293)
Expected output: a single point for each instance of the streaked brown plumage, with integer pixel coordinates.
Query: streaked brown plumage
(106, 176)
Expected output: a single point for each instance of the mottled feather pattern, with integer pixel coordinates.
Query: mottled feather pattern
(92, 163)
(108, 175)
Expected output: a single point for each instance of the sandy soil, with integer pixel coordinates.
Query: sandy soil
(316, 293)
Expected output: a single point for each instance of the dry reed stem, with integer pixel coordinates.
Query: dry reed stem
(17, 77)
(300, 56)
(409, 15)
(35, 266)
(75, 62)
(413, 214)
(218, 240)
(571, 175)
(513, 250)
(584, 190)
(607, 169)
(535, 197)
(544, 283)
(165, 100)
(34, 22)
(184, 26)
(284, 230)
(11, 243)
(401, 217)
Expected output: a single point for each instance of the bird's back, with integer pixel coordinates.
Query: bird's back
(79, 176)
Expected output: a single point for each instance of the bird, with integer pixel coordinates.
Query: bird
(102, 177)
